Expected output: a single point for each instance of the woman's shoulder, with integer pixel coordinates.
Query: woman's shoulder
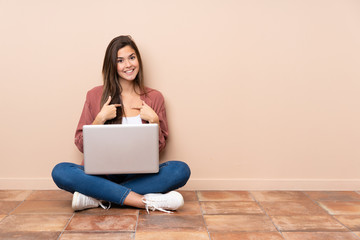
(153, 97)
(95, 92)
(153, 93)
(96, 89)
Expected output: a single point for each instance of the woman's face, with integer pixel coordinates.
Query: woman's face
(127, 63)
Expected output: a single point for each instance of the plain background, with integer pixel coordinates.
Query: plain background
(259, 94)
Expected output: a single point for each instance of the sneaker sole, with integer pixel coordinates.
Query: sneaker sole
(74, 201)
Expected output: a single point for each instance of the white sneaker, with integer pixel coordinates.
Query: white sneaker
(81, 202)
(163, 202)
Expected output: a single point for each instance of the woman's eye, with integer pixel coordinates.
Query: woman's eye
(132, 57)
(120, 60)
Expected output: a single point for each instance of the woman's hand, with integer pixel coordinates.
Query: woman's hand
(147, 113)
(107, 112)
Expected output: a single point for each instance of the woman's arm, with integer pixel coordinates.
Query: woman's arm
(107, 112)
(85, 119)
(163, 126)
(156, 102)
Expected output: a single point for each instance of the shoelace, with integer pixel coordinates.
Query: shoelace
(103, 206)
(153, 207)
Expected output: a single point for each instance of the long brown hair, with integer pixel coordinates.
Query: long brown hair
(110, 75)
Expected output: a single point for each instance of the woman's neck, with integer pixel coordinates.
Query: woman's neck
(128, 87)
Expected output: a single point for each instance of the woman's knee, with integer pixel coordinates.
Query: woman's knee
(61, 173)
(180, 171)
(59, 170)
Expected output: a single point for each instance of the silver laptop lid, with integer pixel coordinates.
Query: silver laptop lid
(121, 149)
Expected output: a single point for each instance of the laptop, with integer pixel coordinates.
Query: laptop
(121, 149)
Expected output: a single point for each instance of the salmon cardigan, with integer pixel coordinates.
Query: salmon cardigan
(92, 107)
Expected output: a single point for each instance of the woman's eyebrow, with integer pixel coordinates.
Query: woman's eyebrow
(128, 56)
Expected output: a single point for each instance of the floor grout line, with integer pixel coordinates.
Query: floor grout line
(21, 202)
(332, 216)
(137, 223)
(66, 225)
(358, 237)
(263, 209)
(202, 214)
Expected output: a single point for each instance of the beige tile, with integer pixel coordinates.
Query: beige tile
(14, 195)
(44, 207)
(292, 208)
(357, 233)
(319, 236)
(224, 196)
(249, 223)
(7, 206)
(97, 236)
(231, 208)
(167, 222)
(246, 236)
(307, 223)
(341, 208)
(351, 222)
(276, 196)
(34, 223)
(334, 195)
(111, 211)
(50, 195)
(2, 217)
(102, 223)
(189, 208)
(189, 195)
(29, 235)
(171, 235)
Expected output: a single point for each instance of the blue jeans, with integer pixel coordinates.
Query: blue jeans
(115, 188)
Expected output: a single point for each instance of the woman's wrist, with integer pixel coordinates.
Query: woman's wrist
(99, 120)
(155, 120)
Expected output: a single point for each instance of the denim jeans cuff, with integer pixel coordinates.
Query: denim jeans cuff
(124, 196)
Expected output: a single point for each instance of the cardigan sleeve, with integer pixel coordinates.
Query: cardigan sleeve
(157, 103)
(163, 133)
(86, 118)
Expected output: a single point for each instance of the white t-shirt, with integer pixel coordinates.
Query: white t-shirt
(132, 120)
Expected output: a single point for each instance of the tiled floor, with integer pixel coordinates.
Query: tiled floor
(216, 215)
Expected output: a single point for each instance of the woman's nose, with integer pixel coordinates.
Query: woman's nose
(127, 63)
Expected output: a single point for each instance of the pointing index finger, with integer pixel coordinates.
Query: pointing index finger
(136, 107)
(108, 101)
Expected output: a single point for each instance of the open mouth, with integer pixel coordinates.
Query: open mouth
(129, 71)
